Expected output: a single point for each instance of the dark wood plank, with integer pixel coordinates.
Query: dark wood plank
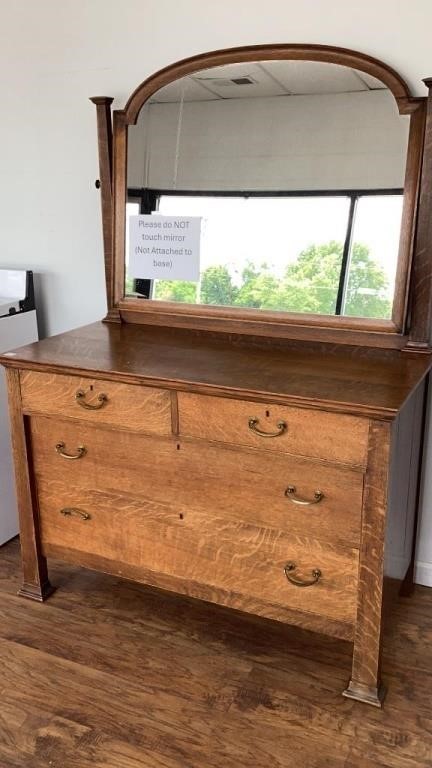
(421, 281)
(328, 329)
(134, 678)
(118, 649)
(120, 141)
(347, 380)
(408, 222)
(104, 130)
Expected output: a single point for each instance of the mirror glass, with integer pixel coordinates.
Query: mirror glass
(296, 171)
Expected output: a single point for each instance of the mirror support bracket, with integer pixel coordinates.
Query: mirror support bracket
(421, 279)
(105, 141)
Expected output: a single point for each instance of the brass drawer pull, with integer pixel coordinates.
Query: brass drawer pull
(316, 573)
(253, 425)
(80, 398)
(69, 511)
(290, 491)
(81, 451)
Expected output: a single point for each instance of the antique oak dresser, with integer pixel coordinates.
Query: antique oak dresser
(262, 460)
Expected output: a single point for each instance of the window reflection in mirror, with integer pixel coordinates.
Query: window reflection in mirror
(371, 267)
(297, 170)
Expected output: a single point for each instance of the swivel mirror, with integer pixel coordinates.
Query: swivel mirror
(298, 167)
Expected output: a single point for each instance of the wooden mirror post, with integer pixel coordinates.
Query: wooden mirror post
(105, 184)
(420, 322)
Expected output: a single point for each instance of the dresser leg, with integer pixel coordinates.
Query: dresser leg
(365, 693)
(365, 684)
(38, 592)
(36, 585)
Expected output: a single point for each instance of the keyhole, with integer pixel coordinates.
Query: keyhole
(181, 515)
(91, 387)
(268, 414)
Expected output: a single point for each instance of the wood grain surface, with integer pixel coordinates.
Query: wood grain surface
(308, 433)
(104, 133)
(365, 682)
(252, 536)
(186, 476)
(373, 383)
(35, 584)
(409, 214)
(132, 677)
(202, 548)
(141, 408)
(421, 279)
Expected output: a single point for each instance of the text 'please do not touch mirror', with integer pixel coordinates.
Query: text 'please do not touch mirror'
(269, 185)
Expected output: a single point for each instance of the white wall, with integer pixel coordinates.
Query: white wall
(314, 142)
(54, 55)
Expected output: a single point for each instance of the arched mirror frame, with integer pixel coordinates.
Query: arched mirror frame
(398, 332)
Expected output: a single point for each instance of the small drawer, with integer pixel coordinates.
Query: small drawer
(142, 409)
(241, 563)
(299, 431)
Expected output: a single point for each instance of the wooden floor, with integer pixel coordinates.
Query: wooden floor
(110, 674)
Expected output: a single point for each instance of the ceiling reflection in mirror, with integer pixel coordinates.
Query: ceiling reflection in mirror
(296, 169)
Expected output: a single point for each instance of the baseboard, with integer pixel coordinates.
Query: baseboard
(396, 568)
(423, 573)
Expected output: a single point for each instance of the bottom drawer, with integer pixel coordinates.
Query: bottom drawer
(205, 548)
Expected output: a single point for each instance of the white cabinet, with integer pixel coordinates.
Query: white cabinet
(15, 330)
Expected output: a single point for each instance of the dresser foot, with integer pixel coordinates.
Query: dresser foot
(113, 316)
(366, 693)
(36, 592)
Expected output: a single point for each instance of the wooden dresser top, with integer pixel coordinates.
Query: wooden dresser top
(346, 379)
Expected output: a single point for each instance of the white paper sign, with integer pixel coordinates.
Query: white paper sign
(164, 247)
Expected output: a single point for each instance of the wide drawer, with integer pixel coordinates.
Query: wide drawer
(241, 485)
(299, 431)
(239, 559)
(129, 406)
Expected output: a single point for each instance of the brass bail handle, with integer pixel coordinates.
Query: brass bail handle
(253, 425)
(81, 451)
(70, 511)
(289, 567)
(290, 494)
(80, 397)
